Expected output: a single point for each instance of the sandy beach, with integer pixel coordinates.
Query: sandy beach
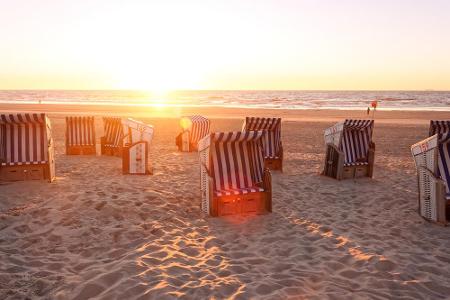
(95, 233)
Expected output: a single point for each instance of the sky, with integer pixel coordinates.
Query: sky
(225, 44)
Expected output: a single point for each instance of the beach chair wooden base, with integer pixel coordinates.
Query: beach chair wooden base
(350, 172)
(251, 203)
(25, 172)
(275, 164)
(334, 164)
(81, 150)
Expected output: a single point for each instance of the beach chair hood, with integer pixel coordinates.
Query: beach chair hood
(439, 127)
(197, 126)
(236, 160)
(271, 128)
(24, 138)
(353, 137)
(137, 131)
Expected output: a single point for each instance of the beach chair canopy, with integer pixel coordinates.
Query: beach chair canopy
(113, 131)
(198, 127)
(272, 133)
(444, 160)
(353, 137)
(24, 138)
(80, 131)
(441, 170)
(236, 161)
(137, 131)
(439, 127)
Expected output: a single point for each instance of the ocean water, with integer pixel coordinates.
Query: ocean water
(387, 100)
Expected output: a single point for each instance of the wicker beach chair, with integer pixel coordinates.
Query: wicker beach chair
(80, 135)
(350, 151)
(432, 160)
(112, 141)
(193, 129)
(26, 147)
(273, 148)
(135, 153)
(232, 174)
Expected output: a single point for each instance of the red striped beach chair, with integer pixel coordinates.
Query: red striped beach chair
(26, 147)
(233, 178)
(112, 141)
(138, 137)
(80, 135)
(432, 160)
(193, 129)
(273, 148)
(350, 151)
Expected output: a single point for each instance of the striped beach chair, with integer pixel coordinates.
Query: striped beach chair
(273, 148)
(80, 135)
(350, 151)
(112, 141)
(232, 174)
(26, 147)
(193, 129)
(439, 127)
(135, 153)
(432, 160)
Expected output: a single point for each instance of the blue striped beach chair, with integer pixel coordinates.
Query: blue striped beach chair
(26, 147)
(273, 148)
(193, 129)
(137, 139)
(432, 159)
(80, 135)
(350, 151)
(233, 177)
(112, 141)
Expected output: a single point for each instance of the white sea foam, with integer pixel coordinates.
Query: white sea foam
(390, 100)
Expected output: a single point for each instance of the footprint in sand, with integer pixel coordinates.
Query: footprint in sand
(23, 229)
(100, 205)
(90, 290)
(385, 266)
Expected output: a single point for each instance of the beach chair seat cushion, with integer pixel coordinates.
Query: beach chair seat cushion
(112, 146)
(356, 164)
(240, 191)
